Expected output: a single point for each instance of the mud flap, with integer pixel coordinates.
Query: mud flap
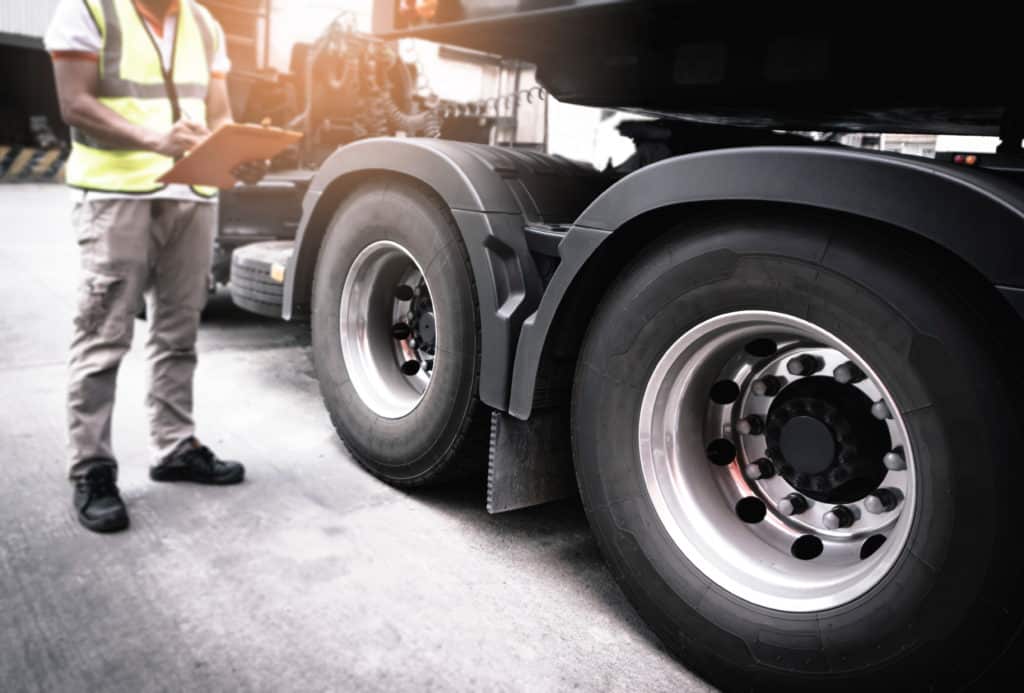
(530, 461)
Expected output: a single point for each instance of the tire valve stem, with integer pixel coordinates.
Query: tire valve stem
(750, 426)
(411, 367)
(760, 469)
(403, 292)
(838, 517)
(793, 504)
(848, 373)
(880, 410)
(894, 460)
(882, 500)
(400, 331)
(767, 386)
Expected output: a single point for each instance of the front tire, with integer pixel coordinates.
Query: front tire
(396, 339)
(682, 476)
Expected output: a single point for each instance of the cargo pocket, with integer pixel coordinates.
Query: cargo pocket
(97, 298)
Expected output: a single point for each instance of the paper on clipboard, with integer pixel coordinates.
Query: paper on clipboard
(212, 161)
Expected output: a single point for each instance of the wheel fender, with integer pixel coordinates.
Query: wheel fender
(492, 192)
(975, 215)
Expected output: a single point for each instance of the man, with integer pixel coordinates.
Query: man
(140, 82)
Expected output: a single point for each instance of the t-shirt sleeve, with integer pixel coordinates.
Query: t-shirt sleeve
(73, 31)
(221, 64)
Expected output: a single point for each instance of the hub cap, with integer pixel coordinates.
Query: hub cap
(388, 329)
(765, 459)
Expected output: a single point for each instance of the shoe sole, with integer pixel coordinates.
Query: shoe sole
(176, 475)
(105, 527)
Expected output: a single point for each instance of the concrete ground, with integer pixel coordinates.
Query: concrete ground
(310, 576)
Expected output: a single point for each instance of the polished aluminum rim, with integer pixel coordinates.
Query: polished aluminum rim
(736, 507)
(388, 329)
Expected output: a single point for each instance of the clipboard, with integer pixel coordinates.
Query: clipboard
(211, 162)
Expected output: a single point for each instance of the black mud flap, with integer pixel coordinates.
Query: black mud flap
(530, 461)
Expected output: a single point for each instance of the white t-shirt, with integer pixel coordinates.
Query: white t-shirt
(73, 35)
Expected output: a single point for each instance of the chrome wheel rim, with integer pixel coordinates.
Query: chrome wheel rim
(388, 329)
(733, 453)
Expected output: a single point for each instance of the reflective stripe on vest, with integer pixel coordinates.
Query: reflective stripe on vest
(132, 84)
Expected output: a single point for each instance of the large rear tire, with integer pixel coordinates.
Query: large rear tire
(396, 339)
(688, 469)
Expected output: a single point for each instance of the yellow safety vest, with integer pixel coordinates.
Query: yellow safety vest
(134, 84)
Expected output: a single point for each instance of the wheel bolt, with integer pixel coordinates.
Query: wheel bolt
(760, 469)
(894, 460)
(403, 292)
(400, 331)
(838, 517)
(847, 373)
(804, 365)
(767, 386)
(882, 501)
(750, 426)
(880, 410)
(793, 504)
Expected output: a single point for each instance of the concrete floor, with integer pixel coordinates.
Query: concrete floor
(310, 576)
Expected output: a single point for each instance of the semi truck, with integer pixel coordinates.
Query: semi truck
(781, 372)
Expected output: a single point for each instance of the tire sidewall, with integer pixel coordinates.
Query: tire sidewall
(406, 448)
(906, 334)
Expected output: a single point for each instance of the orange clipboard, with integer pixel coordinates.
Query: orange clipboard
(213, 159)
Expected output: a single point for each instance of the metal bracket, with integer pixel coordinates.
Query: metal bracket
(530, 461)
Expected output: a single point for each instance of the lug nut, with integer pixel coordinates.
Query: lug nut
(882, 501)
(767, 386)
(403, 292)
(760, 469)
(793, 504)
(847, 373)
(838, 517)
(750, 426)
(411, 367)
(894, 460)
(804, 365)
(400, 331)
(880, 410)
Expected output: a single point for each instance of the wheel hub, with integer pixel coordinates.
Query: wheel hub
(777, 461)
(825, 442)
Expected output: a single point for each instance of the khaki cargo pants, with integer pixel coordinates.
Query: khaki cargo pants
(130, 248)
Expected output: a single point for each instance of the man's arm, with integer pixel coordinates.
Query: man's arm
(77, 82)
(218, 112)
(218, 105)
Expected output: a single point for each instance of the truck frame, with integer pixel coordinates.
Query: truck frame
(781, 374)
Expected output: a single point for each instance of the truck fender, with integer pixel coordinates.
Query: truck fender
(973, 214)
(492, 193)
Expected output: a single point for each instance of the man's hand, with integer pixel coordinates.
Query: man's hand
(251, 172)
(182, 137)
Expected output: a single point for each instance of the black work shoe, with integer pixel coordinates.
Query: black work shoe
(197, 463)
(98, 502)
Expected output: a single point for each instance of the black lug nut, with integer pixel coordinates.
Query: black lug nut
(882, 500)
(400, 331)
(793, 504)
(411, 367)
(894, 460)
(767, 386)
(804, 365)
(404, 292)
(760, 469)
(750, 426)
(838, 517)
(848, 373)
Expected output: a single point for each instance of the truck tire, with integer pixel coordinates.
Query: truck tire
(396, 338)
(796, 443)
(252, 283)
